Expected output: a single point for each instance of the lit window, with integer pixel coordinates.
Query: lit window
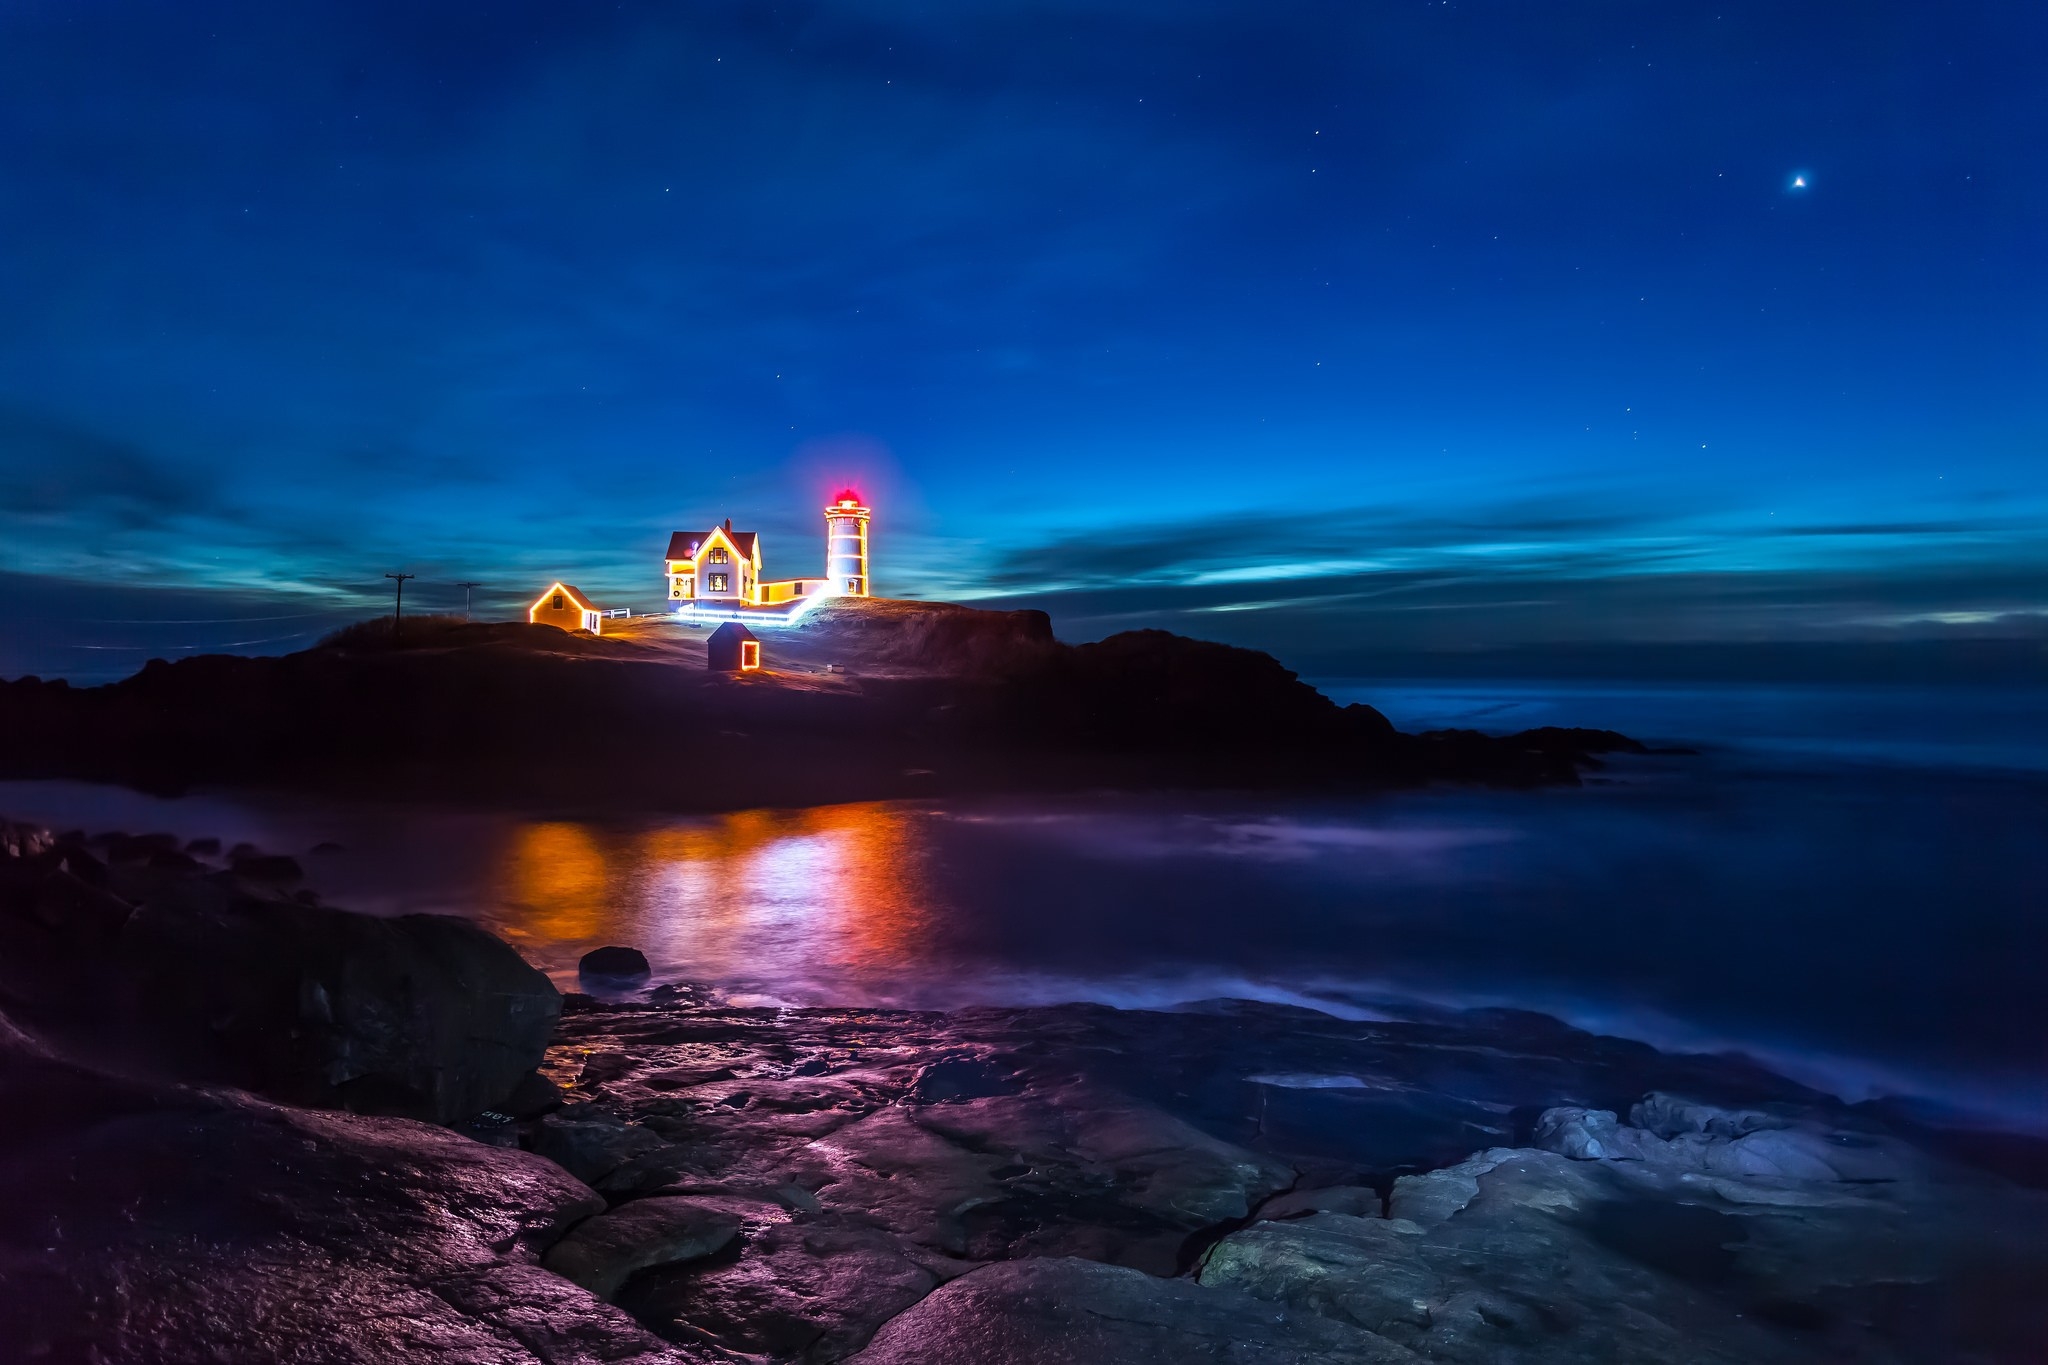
(750, 654)
(718, 556)
(718, 582)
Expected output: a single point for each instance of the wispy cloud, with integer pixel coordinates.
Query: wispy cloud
(1533, 573)
(1349, 550)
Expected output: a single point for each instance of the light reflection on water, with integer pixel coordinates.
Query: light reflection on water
(1865, 920)
(763, 901)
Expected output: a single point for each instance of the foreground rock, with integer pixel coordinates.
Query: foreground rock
(1233, 1182)
(604, 1250)
(145, 1223)
(1254, 1183)
(1065, 1310)
(1718, 1255)
(212, 975)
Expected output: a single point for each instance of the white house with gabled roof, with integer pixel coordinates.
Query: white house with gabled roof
(720, 566)
(720, 569)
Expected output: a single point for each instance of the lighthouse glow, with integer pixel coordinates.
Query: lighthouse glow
(846, 545)
(701, 596)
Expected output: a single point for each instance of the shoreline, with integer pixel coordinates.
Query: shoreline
(1994, 1105)
(667, 1178)
(872, 700)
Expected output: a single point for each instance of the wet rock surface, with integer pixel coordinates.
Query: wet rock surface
(1078, 1183)
(676, 1179)
(144, 1223)
(602, 1251)
(1062, 1311)
(1528, 1255)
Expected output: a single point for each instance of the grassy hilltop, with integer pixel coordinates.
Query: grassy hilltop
(860, 699)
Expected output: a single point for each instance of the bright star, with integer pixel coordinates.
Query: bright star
(1799, 181)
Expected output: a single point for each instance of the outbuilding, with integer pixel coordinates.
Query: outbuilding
(732, 648)
(561, 605)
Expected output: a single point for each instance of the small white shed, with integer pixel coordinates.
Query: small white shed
(562, 605)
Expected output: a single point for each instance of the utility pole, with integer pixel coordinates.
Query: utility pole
(398, 606)
(468, 598)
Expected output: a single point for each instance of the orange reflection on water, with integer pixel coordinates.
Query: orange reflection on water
(557, 875)
(774, 896)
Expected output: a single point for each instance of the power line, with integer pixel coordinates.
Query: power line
(398, 605)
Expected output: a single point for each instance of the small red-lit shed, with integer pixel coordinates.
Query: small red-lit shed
(732, 648)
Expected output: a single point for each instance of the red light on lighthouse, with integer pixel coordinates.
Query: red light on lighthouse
(846, 545)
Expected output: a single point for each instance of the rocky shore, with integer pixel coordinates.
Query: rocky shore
(245, 1125)
(866, 700)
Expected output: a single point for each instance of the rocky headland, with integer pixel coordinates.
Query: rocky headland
(864, 700)
(244, 1125)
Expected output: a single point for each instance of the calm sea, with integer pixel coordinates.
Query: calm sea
(1849, 884)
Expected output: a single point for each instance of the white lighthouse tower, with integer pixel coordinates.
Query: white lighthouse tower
(846, 545)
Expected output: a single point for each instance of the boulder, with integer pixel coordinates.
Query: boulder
(614, 966)
(1544, 1259)
(590, 1143)
(1593, 1135)
(899, 1146)
(1429, 1198)
(1669, 1116)
(1359, 1271)
(979, 1177)
(600, 1252)
(1060, 1309)
(205, 1225)
(814, 1290)
(532, 1096)
(1542, 1265)
(1744, 1144)
(427, 1016)
(652, 1171)
(896, 1173)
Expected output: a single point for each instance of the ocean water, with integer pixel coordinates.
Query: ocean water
(1851, 885)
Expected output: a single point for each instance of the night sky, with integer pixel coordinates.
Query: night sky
(1366, 332)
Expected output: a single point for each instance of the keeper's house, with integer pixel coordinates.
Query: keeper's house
(717, 573)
